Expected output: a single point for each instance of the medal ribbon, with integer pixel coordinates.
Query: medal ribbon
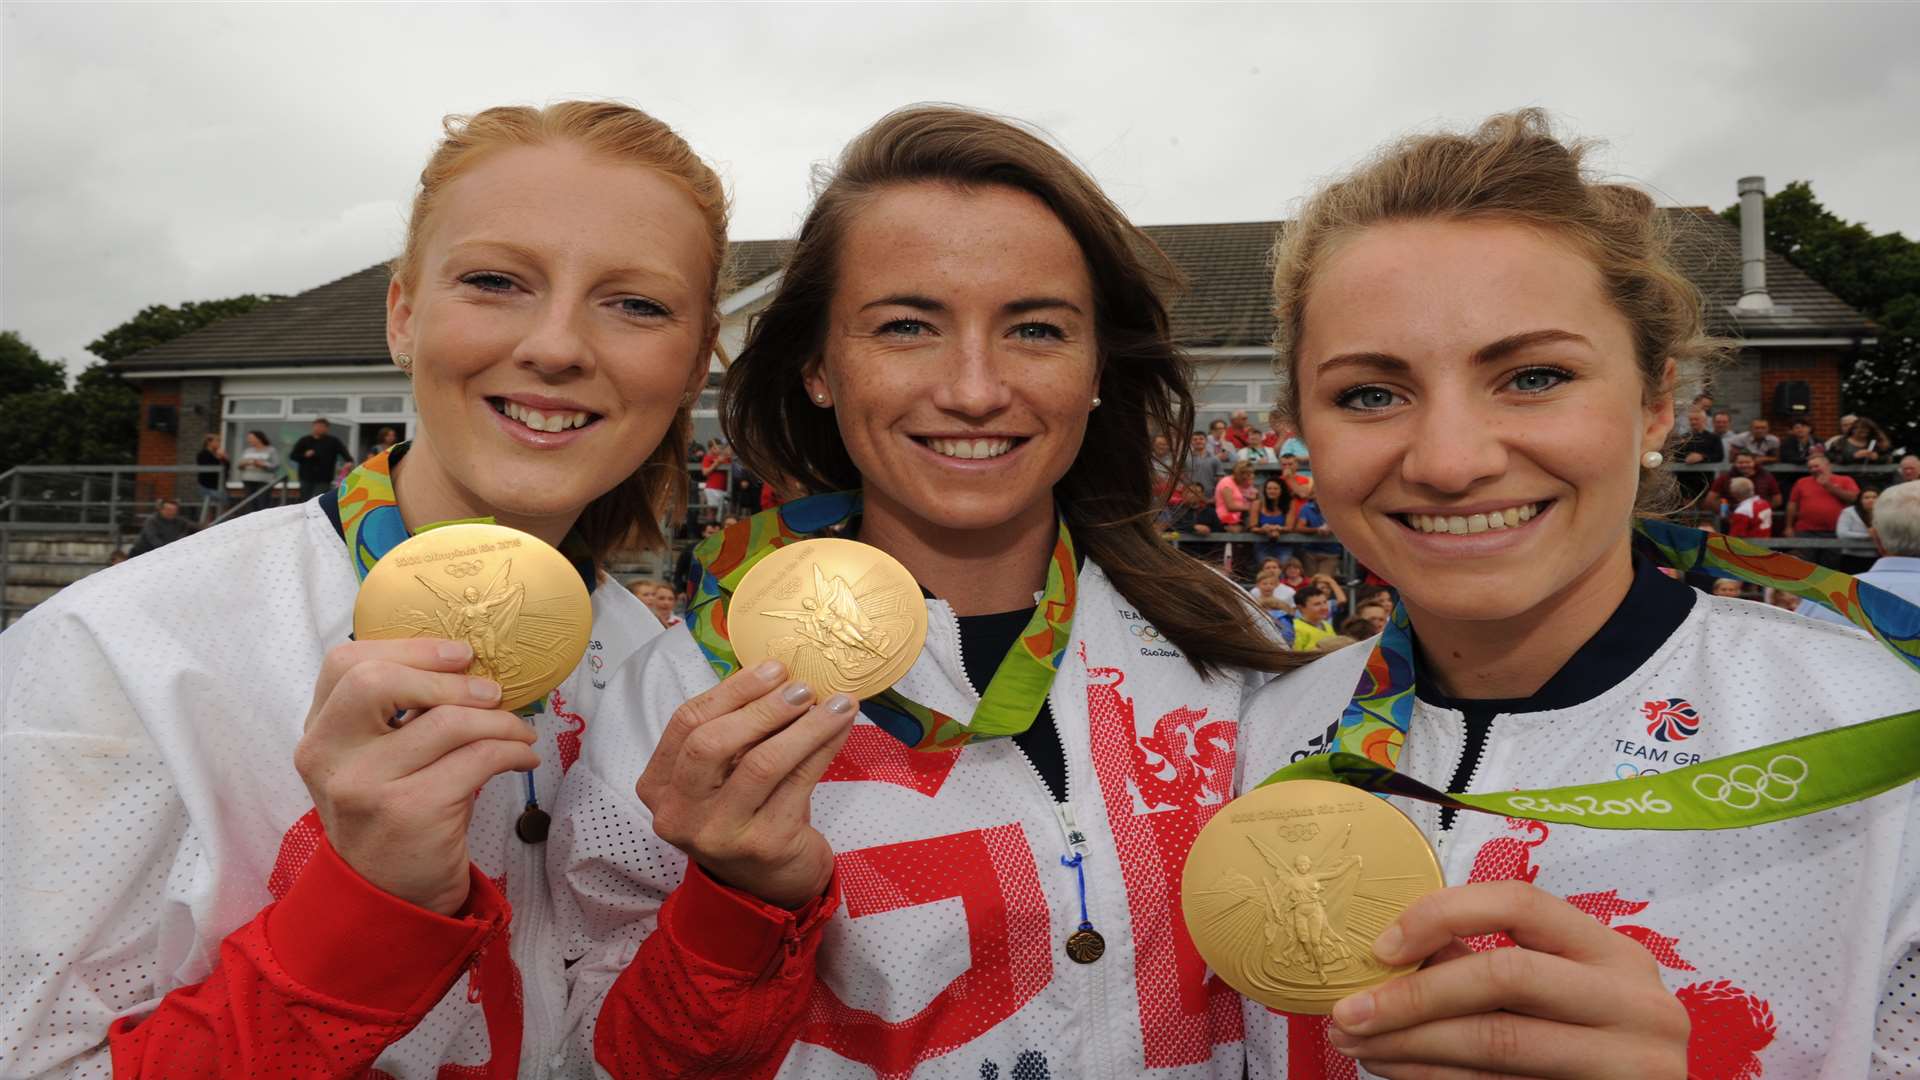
(1786, 779)
(1019, 685)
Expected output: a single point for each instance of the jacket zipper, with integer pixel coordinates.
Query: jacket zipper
(537, 1026)
(1472, 752)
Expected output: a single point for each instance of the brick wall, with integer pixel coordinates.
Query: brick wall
(1819, 369)
(157, 447)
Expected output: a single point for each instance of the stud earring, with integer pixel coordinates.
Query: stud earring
(686, 399)
(404, 363)
(1096, 403)
(1652, 459)
(820, 399)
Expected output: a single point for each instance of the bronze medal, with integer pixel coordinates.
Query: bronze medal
(1085, 945)
(1287, 887)
(845, 617)
(518, 602)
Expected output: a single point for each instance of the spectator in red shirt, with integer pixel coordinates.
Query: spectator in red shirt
(1752, 515)
(716, 463)
(1814, 506)
(1744, 467)
(1238, 433)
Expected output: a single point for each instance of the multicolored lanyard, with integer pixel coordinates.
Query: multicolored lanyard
(1019, 685)
(1770, 783)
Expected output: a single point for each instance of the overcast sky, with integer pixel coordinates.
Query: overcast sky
(157, 153)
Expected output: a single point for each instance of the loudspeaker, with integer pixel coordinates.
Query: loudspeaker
(163, 418)
(1792, 399)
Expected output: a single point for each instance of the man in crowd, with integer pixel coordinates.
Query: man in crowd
(1698, 446)
(1311, 619)
(317, 455)
(1752, 516)
(1238, 434)
(1205, 465)
(1896, 535)
(1815, 503)
(163, 528)
(1909, 469)
(1757, 440)
(1799, 439)
(1720, 495)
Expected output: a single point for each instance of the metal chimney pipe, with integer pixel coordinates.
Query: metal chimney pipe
(1753, 245)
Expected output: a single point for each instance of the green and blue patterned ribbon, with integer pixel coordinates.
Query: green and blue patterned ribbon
(1770, 783)
(1019, 685)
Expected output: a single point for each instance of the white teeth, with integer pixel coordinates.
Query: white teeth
(540, 421)
(1462, 525)
(970, 449)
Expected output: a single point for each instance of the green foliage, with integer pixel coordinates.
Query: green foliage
(23, 370)
(164, 322)
(44, 423)
(1878, 273)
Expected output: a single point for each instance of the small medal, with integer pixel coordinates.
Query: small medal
(1287, 887)
(844, 617)
(1085, 945)
(518, 602)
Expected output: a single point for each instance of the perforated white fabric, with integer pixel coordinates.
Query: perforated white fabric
(1791, 944)
(148, 717)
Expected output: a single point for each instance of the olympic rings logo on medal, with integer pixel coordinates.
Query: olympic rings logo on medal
(465, 569)
(1745, 785)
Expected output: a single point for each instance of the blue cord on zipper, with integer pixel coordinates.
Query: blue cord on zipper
(1079, 871)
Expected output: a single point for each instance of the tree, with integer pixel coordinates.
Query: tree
(164, 322)
(1878, 273)
(23, 370)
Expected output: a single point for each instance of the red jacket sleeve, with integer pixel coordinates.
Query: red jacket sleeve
(317, 985)
(719, 989)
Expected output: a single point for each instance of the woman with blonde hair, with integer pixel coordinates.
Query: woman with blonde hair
(1481, 342)
(976, 872)
(228, 853)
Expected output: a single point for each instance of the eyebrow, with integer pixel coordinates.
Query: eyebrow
(1486, 354)
(1012, 307)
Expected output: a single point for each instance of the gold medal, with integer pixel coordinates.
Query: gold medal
(517, 601)
(845, 617)
(1287, 887)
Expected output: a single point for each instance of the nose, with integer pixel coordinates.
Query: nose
(556, 342)
(976, 385)
(1453, 447)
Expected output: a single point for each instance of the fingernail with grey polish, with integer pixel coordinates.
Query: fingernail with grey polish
(839, 704)
(797, 694)
(769, 669)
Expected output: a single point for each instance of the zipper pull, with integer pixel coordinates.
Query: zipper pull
(1076, 839)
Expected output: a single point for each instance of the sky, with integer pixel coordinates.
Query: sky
(159, 153)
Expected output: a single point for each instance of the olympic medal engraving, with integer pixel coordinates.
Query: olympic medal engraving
(519, 603)
(844, 617)
(1287, 887)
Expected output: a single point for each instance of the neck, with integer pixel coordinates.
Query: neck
(1514, 658)
(432, 495)
(977, 571)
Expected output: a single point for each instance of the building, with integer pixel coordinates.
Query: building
(324, 352)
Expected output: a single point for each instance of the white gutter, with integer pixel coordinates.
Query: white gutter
(752, 294)
(314, 369)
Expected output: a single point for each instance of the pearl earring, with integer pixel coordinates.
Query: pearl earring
(1096, 403)
(1652, 459)
(820, 399)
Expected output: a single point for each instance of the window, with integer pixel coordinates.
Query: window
(256, 406)
(383, 405)
(319, 406)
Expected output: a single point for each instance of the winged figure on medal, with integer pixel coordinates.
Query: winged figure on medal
(1312, 920)
(494, 619)
(844, 632)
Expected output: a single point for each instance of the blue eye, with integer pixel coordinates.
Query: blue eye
(641, 307)
(905, 328)
(489, 282)
(1035, 331)
(1366, 398)
(1539, 380)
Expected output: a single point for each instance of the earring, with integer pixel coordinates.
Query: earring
(820, 398)
(404, 363)
(1096, 403)
(686, 399)
(1652, 459)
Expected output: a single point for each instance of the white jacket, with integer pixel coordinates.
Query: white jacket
(149, 804)
(1792, 945)
(928, 845)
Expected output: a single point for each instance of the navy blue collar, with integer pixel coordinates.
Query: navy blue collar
(1654, 607)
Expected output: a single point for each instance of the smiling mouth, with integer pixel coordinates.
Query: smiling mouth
(970, 449)
(1511, 517)
(536, 420)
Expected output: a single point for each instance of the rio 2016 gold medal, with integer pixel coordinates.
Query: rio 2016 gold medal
(1287, 887)
(845, 617)
(517, 601)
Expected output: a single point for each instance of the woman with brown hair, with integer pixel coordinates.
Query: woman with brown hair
(1481, 341)
(227, 858)
(980, 874)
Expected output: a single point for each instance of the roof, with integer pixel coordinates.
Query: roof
(1226, 303)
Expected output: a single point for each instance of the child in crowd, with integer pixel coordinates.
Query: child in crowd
(1751, 515)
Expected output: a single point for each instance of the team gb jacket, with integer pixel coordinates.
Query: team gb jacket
(939, 951)
(165, 875)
